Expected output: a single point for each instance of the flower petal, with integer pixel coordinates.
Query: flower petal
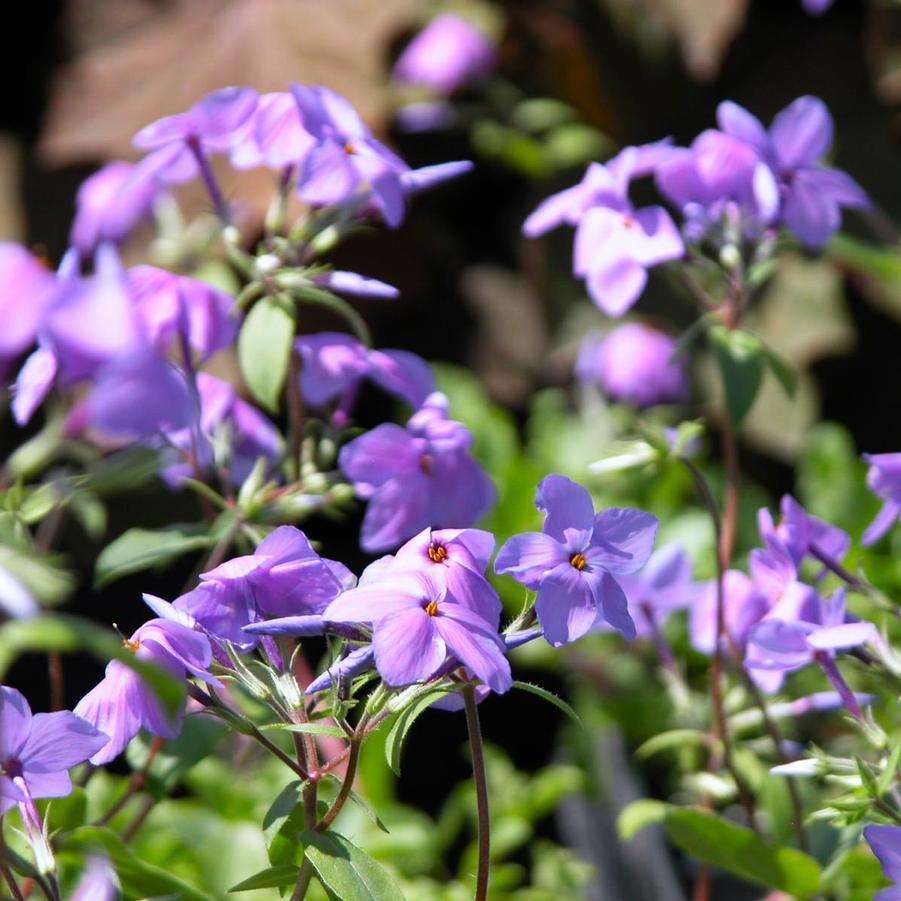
(407, 646)
(58, 741)
(565, 605)
(802, 132)
(472, 641)
(529, 557)
(622, 539)
(612, 603)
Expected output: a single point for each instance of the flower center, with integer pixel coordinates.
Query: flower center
(425, 463)
(11, 768)
(432, 608)
(349, 149)
(628, 221)
(578, 561)
(437, 553)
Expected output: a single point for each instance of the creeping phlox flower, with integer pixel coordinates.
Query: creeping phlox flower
(416, 476)
(817, 8)
(744, 604)
(884, 480)
(110, 203)
(417, 622)
(575, 561)
(801, 534)
(99, 882)
(448, 54)
(226, 421)
(615, 243)
(886, 844)
(810, 195)
(634, 364)
(334, 365)
(121, 703)
(36, 752)
(283, 577)
(664, 584)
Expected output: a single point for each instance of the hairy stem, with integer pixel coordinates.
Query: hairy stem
(346, 786)
(481, 785)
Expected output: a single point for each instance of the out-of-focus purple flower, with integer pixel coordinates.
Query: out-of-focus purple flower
(334, 364)
(884, 480)
(803, 535)
(425, 115)
(26, 287)
(179, 142)
(36, 751)
(463, 556)
(415, 625)
(283, 577)
(744, 604)
(249, 435)
(345, 157)
(575, 562)
(782, 645)
(354, 284)
(16, 601)
(178, 309)
(817, 8)
(420, 476)
(635, 364)
(446, 55)
(122, 703)
(886, 844)
(717, 173)
(665, 583)
(415, 181)
(110, 203)
(272, 135)
(812, 195)
(99, 882)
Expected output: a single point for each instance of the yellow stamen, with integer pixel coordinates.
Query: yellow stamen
(437, 553)
(432, 608)
(425, 464)
(578, 561)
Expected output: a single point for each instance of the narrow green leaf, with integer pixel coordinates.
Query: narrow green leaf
(640, 813)
(550, 697)
(347, 872)
(890, 770)
(742, 360)
(264, 349)
(273, 877)
(675, 738)
(395, 740)
(784, 372)
(312, 728)
(140, 549)
(321, 298)
(713, 840)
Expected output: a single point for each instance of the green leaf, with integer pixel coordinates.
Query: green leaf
(395, 741)
(273, 877)
(312, 728)
(264, 349)
(140, 549)
(785, 373)
(674, 739)
(283, 823)
(640, 813)
(347, 872)
(334, 782)
(138, 877)
(550, 697)
(742, 360)
(713, 840)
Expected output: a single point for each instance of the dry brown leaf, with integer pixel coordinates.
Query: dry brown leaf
(137, 60)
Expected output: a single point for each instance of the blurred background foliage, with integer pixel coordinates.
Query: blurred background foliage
(502, 316)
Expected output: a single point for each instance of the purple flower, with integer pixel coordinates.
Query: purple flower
(574, 562)
(122, 704)
(744, 604)
(345, 157)
(817, 8)
(812, 195)
(415, 625)
(803, 535)
(176, 309)
(36, 751)
(272, 136)
(413, 478)
(635, 364)
(425, 115)
(180, 142)
(884, 480)
(109, 204)
(334, 364)
(663, 584)
(283, 577)
(447, 54)
(26, 286)
(16, 601)
(248, 435)
(717, 173)
(99, 882)
(354, 284)
(886, 844)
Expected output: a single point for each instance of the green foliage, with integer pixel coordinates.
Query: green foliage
(140, 549)
(348, 873)
(264, 349)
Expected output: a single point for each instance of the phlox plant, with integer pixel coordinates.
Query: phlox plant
(268, 681)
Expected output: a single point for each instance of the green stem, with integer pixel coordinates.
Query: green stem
(481, 786)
